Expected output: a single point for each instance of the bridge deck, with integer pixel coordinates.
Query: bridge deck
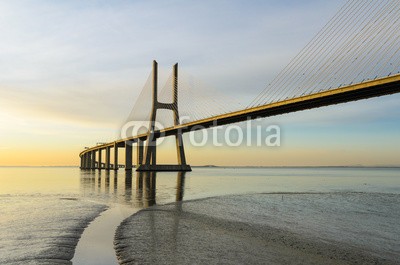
(374, 88)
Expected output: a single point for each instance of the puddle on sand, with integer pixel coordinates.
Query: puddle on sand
(96, 245)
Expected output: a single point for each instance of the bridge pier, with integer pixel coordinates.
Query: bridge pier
(87, 161)
(128, 155)
(116, 156)
(139, 153)
(108, 151)
(93, 160)
(82, 166)
(99, 164)
(150, 157)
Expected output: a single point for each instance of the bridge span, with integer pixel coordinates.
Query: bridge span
(369, 89)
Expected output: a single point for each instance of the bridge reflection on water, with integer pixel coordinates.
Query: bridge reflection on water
(136, 189)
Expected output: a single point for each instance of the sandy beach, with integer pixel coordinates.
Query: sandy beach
(262, 229)
(43, 229)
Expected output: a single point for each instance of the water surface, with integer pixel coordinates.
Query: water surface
(127, 192)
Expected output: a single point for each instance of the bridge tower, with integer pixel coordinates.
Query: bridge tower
(148, 161)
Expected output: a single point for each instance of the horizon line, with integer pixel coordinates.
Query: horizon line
(242, 166)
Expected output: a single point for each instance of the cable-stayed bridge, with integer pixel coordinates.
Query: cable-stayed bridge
(355, 56)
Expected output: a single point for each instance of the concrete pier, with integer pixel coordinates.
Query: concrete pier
(108, 151)
(116, 156)
(145, 167)
(128, 155)
(88, 162)
(139, 153)
(93, 160)
(100, 160)
(82, 166)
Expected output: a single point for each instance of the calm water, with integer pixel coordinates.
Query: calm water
(24, 191)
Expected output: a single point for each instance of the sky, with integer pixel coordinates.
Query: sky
(70, 72)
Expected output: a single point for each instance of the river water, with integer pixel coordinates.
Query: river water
(43, 210)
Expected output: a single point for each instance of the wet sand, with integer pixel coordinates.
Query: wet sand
(96, 246)
(264, 229)
(43, 229)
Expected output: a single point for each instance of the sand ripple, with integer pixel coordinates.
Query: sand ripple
(321, 228)
(38, 229)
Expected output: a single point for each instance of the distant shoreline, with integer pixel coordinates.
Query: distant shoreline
(215, 166)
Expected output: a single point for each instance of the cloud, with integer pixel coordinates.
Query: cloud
(87, 61)
(83, 63)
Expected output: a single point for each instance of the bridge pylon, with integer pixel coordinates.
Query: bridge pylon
(149, 161)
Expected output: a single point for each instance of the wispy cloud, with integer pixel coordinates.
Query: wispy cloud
(88, 60)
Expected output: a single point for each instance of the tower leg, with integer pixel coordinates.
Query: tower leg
(150, 163)
(149, 150)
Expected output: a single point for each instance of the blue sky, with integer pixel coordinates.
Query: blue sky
(71, 71)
